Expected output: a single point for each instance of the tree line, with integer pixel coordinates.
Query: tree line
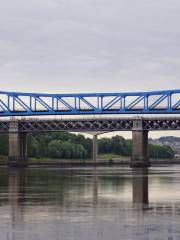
(76, 146)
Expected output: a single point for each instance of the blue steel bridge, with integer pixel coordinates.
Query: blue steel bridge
(31, 104)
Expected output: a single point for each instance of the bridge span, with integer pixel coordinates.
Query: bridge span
(18, 130)
(33, 104)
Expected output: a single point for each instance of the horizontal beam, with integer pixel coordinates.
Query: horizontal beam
(91, 125)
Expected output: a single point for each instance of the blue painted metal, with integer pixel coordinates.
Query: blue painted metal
(30, 104)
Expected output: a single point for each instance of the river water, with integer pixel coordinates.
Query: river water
(90, 203)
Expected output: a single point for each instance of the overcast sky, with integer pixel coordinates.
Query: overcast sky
(89, 45)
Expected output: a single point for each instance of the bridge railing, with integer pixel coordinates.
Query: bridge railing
(29, 104)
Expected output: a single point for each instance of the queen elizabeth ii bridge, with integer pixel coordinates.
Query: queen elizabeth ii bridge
(166, 103)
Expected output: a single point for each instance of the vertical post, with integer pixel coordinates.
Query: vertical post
(140, 154)
(17, 146)
(95, 148)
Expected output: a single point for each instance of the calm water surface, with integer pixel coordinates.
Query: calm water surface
(90, 204)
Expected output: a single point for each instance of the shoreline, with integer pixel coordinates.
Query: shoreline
(99, 163)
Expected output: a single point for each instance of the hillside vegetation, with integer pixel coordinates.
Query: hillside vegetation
(71, 146)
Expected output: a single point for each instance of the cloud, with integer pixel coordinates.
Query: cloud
(92, 45)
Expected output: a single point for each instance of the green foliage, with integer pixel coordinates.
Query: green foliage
(33, 146)
(71, 146)
(3, 144)
(156, 151)
(104, 145)
(117, 145)
(67, 150)
(59, 145)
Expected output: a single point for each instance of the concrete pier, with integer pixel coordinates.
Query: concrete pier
(140, 153)
(17, 146)
(95, 148)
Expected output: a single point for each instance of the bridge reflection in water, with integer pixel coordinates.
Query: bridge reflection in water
(18, 182)
(140, 186)
(22, 192)
(49, 203)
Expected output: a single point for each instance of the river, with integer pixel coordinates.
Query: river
(106, 203)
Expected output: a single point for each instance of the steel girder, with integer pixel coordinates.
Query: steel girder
(4, 126)
(165, 124)
(91, 125)
(30, 104)
(76, 125)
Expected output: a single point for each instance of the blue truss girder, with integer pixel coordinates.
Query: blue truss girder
(43, 103)
(92, 107)
(25, 104)
(4, 106)
(135, 102)
(176, 105)
(113, 102)
(65, 104)
(22, 104)
(158, 101)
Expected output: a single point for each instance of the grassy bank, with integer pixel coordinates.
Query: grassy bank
(101, 158)
(3, 159)
(112, 156)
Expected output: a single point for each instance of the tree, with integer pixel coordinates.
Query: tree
(104, 145)
(3, 144)
(55, 149)
(33, 147)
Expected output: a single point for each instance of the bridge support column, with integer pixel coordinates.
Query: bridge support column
(17, 146)
(95, 148)
(140, 154)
